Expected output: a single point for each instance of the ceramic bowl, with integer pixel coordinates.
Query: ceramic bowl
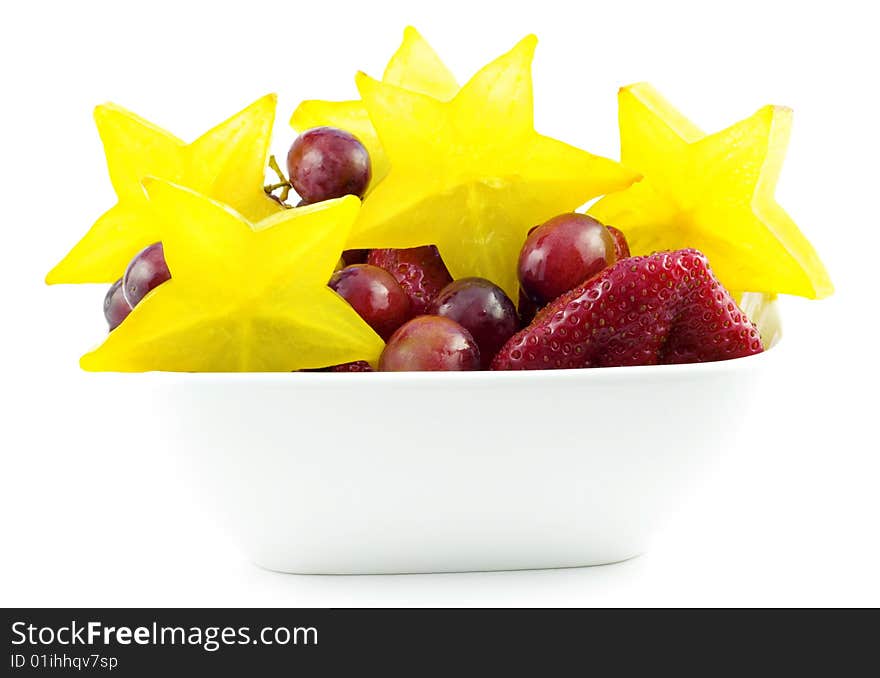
(438, 472)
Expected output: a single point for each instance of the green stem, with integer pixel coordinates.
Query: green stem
(283, 183)
(273, 165)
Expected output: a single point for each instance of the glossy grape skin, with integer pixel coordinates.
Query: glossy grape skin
(561, 254)
(375, 295)
(621, 246)
(145, 272)
(430, 343)
(483, 309)
(326, 162)
(526, 308)
(116, 308)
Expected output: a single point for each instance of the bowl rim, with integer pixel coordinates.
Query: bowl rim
(765, 314)
(478, 376)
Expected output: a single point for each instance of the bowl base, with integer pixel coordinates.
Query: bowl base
(403, 570)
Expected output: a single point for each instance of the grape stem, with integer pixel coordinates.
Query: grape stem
(273, 165)
(283, 183)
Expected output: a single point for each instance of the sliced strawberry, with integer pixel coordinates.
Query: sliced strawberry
(419, 270)
(663, 308)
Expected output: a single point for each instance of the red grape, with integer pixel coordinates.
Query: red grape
(562, 253)
(375, 295)
(326, 162)
(483, 309)
(430, 343)
(621, 246)
(116, 308)
(526, 308)
(350, 257)
(145, 272)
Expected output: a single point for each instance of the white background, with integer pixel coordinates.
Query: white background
(92, 513)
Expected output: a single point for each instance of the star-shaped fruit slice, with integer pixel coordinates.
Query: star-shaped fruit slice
(471, 175)
(242, 297)
(414, 66)
(712, 192)
(227, 163)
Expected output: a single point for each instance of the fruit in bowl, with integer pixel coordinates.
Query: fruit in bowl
(661, 309)
(427, 227)
(560, 254)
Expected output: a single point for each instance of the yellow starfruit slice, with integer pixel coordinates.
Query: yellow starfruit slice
(226, 163)
(242, 297)
(471, 175)
(415, 66)
(713, 192)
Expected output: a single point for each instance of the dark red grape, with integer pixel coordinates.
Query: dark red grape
(326, 162)
(430, 343)
(350, 257)
(526, 308)
(562, 253)
(375, 295)
(621, 246)
(116, 308)
(145, 272)
(483, 309)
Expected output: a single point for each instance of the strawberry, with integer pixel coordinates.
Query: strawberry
(419, 270)
(659, 309)
(357, 366)
(621, 246)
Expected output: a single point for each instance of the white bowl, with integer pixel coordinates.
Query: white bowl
(440, 472)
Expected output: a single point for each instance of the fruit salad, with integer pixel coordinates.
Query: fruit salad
(427, 226)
